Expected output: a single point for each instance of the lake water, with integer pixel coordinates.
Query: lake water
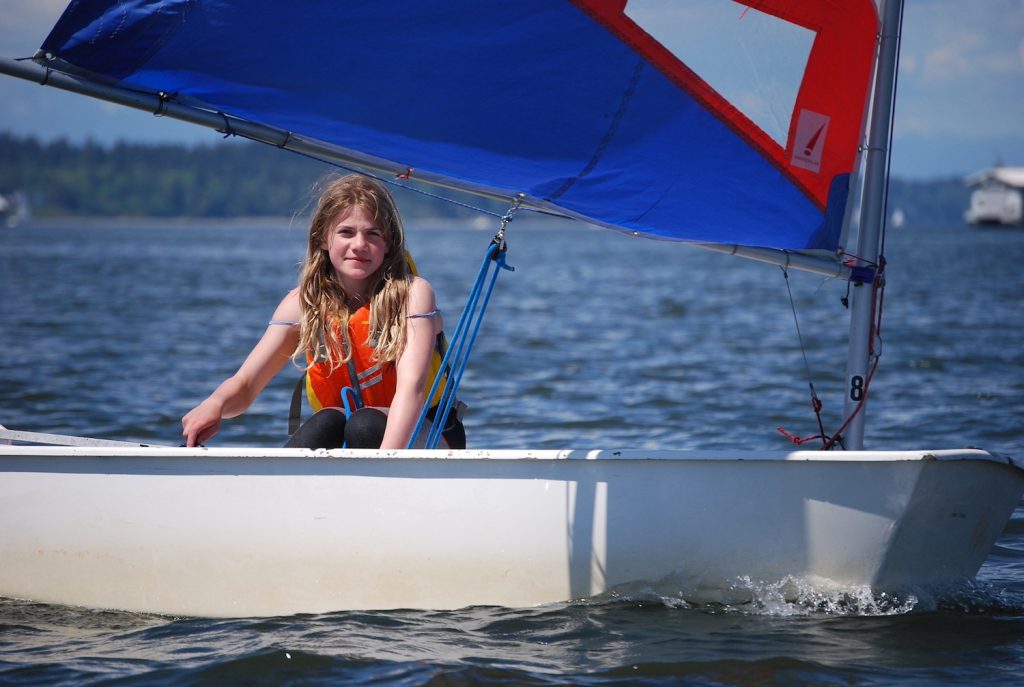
(595, 340)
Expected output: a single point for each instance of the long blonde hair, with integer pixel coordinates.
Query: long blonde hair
(324, 299)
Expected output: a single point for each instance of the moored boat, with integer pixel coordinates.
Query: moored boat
(998, 197)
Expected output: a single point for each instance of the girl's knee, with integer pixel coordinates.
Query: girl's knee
(365, 428)
(326, 429)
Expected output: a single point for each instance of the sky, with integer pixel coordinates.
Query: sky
(960, 99)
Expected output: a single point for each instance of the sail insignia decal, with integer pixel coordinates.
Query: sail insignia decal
(809, 142)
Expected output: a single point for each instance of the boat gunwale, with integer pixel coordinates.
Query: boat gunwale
(676, 455)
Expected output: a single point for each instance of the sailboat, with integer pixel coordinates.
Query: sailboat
(579, 108)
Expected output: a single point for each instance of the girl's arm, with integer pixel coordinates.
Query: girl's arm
(238, 392)
(413, 366)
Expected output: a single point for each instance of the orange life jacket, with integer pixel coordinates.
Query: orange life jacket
(374, 381)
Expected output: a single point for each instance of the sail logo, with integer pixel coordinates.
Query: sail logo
(809, 140)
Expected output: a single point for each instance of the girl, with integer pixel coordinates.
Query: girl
(365, 325)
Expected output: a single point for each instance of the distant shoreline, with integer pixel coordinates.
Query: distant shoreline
(142, 222)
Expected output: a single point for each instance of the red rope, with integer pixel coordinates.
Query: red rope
(878, 306)
(816, 405)
(876, 317)
(860, 404)
(798, 440)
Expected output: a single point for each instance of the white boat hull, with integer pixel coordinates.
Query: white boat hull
(222, 532)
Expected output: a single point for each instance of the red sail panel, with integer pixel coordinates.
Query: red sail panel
(827, 120)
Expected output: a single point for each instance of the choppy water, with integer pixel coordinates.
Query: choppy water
(596, 340)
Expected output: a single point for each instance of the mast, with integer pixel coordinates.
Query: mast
(861, 355)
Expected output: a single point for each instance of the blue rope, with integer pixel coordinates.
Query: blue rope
(347, 406)
(463, 338)
(345, 393)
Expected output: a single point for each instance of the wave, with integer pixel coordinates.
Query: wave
(798, 596)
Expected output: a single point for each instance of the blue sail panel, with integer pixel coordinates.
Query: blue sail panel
(549, 98)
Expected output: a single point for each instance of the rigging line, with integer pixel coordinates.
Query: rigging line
(892, 115)
(228, 131)
(428, 194)
(164, 98)
(456, 357)
(879, 281)
(859, 259)
(878, 307)
(815, 401)
(383, 180)
(495, 258)
(799, 336)
(838, 436)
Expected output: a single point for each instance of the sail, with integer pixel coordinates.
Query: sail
(577, 105)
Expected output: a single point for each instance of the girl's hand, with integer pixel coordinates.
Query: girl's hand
(237, 392)
(202, 422)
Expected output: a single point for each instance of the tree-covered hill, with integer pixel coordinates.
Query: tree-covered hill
(219, 180)
(232, 178)
(239, 178)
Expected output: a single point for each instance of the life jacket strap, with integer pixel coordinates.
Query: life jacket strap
(354, 387)
(295, 407)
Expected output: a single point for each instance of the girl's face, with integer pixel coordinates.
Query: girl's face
(356, 247)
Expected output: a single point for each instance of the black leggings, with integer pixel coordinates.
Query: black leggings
(365, 429)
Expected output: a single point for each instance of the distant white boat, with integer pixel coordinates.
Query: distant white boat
(998, 197)
(14, 208)
(898, 218)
